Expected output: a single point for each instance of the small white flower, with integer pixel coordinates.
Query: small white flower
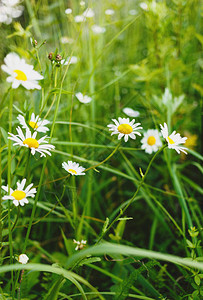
(69, 60)
(29, 141)
(98, 29)
(132, 12)
(144, 6)
(23, 259)
(73, 168)
(66, 40)
(109, 12)
(151, 141)
(20, 72)
(68, 11)
(10, 9)
(82, 3)
(20, 195)
(174, 139)
(88, 13)
(125, 128)
(131, 112)
(35, 122)
(83, 98)
(80, 245)
(79, 19)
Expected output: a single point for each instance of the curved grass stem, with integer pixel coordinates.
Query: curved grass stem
(135, 194)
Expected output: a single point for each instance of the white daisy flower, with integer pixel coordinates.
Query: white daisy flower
(109, 12)
(66, 40)
(151, 141)
(9, 10)
(82, 3)
(20, 195)
(79, 19)
(144, 6)
(83, 98)
(131, 112)
(174, 139)
(30, 141)
(80, 245)
(98, 29)
(69, 60)
(88, 13)
(73, 168)
(23, 259)
(20, 72)
(35, 122)
(132, 12)
(125, 128)
(68, 11)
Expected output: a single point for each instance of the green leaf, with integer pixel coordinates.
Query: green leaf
(110, 248)
(199, 37)
(197, 279)
(89, 260)
(190, 244)
(105, 225)
(53, 292)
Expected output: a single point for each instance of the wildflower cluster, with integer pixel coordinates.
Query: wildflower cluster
(20, 73)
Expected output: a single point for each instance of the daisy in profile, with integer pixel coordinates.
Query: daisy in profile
(23, 259)
(174, 139)
(83, 98)
(80, 245)
(73, 168)
(125, 128)
(35, 123)
(29, 140)
(151, 141)
(20, 72)
(20, 195)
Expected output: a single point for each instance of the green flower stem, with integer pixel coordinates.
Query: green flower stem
(32, 17)
(93, 114)
(1, 223)
(42, 175)
(9, 186)
(107, 158)
(135, 194)
(178, 189)
(16, 220)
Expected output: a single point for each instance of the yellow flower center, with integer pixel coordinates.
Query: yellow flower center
(125, 128)
(20, 75)
(18, 195)
(33, 125)
(151, 140)
(170, 140)
(73, 171)
(32, 143)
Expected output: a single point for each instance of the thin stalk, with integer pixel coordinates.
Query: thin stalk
(135, 194)
(178, 189)
(16, 220)
(1, 223)
(93, 115)
(9, 186)
(103, 161)
(32, 17)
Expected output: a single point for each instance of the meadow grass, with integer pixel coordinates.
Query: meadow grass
(131, 226)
